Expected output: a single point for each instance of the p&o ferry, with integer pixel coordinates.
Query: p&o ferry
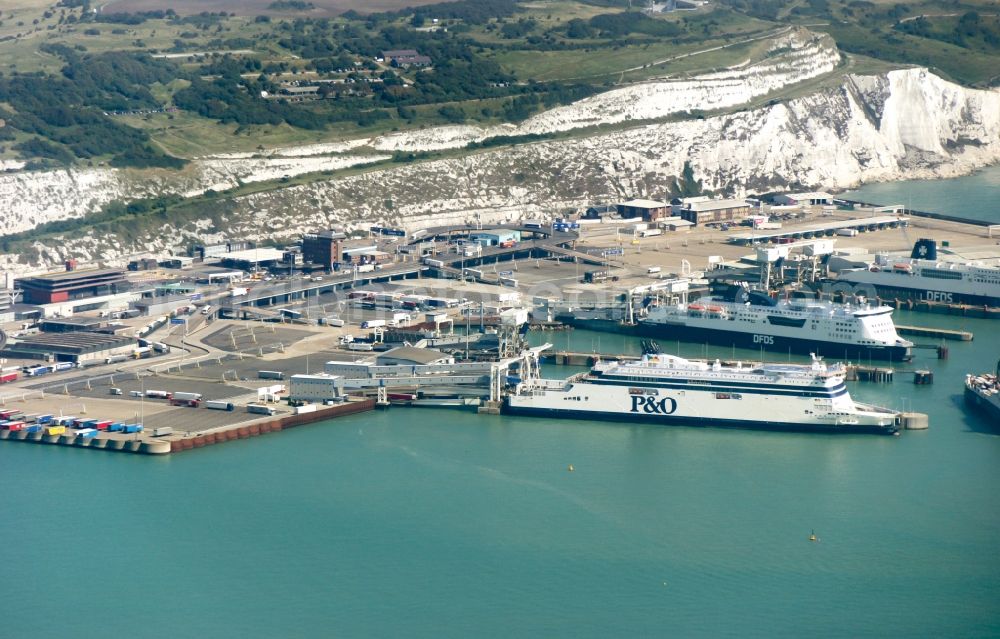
(666, 389)
(751, 319)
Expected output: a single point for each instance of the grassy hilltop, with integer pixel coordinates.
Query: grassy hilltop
(151, 84)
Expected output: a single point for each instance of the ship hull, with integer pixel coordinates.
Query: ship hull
(983, 405)
(889, 292)
(758, 341)
(703, 422)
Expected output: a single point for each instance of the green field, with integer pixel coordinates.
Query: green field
(533, 44)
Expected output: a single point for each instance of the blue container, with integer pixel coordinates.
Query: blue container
(116, 427)
(133, 428)
(44, 419)
(90, 423)
(34, 428)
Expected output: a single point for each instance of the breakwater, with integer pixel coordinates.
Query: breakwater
(928, 214)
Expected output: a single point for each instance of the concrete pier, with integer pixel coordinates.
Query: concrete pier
(941, 333)
(148, 445)
(913, 421)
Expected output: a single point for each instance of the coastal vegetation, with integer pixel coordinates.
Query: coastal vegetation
(80, 84)
(157, 88)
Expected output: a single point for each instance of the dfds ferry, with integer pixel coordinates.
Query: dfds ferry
(670, 390)
(751, 319)
(923, 278)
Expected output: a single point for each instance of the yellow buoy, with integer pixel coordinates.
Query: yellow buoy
(812, 536)
(570, 469)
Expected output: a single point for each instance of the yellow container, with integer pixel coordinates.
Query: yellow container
(55, 430)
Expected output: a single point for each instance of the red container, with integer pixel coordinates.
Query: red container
(102, 425)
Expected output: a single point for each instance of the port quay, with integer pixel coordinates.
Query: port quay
(174, 353)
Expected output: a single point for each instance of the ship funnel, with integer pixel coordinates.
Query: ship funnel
(924, 249)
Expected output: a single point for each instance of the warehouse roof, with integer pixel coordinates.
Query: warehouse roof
(715, 205)
(69, 343)
(644, 204)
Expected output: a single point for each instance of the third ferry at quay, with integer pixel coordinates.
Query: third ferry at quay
(665, 389)
(751, 319)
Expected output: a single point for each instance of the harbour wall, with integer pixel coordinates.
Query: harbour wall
(273, 425)
(166, 445)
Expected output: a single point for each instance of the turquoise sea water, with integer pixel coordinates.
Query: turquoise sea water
(972, 196)
(439, 523)
(428, 523)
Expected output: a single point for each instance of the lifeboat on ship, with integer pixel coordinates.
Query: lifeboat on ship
(902, 268)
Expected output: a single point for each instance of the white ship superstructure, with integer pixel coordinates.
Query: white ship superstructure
(923, 277)
(854, 332)
(668, 389)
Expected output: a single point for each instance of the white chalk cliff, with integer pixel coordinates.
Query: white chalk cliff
(903, 124)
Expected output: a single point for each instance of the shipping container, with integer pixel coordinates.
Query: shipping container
(115, 359)
(847, 232)
(653, 269)
(219, 405)
(116, 427)
(55, 430)
(33, 428)
(372, 323)
(335, 322)
(12, 426)
(270, 375)
(87, 433)
(103, 425)
(187, 396)
(133, 428)
(142, 351)
(532, 224)
(44, 419)
(8, 377)
(260, 409)
(160, 347)
(158, 394)
(360, 346)
(163, 430)
(66, 421)
(189, 403)
(432, 262)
